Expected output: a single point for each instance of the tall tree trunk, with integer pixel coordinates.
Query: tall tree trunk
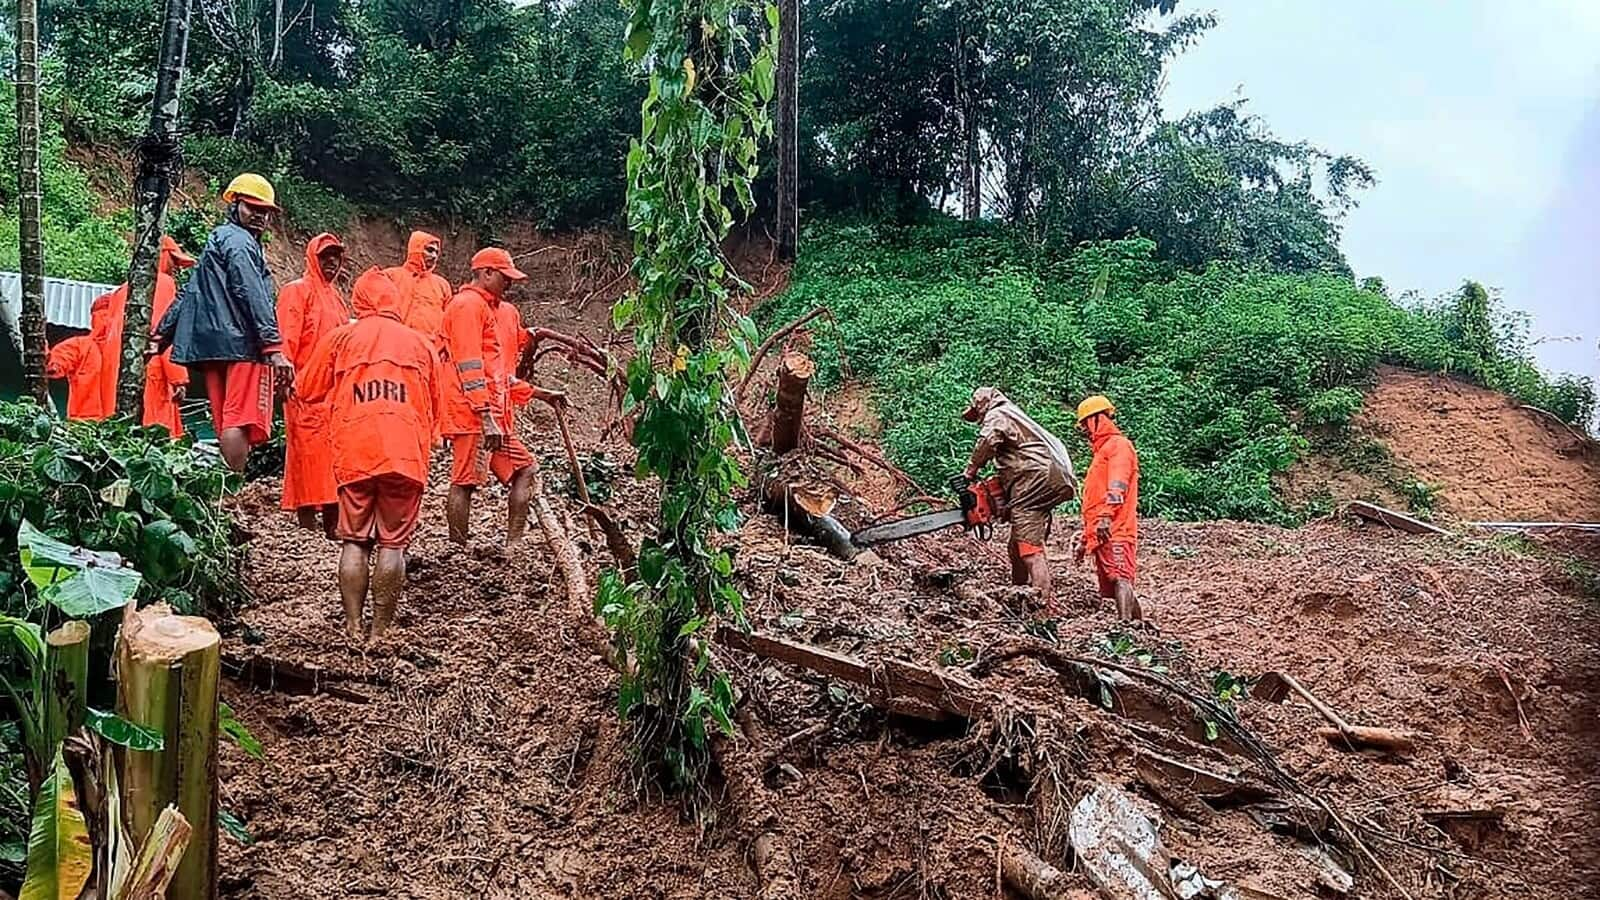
(787, 129)
(29, 247)
(160, 163)
(277, 36)
(967, 63)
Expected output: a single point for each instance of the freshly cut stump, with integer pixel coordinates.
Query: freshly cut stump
(168, 667)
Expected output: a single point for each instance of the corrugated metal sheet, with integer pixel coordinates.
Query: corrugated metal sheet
(66, 302)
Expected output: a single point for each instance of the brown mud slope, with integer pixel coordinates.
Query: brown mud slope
(1491, 459)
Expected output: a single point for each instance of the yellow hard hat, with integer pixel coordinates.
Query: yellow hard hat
(252, 187)
(1092, 405)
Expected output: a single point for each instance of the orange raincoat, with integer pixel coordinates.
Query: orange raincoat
(381, 383)
(423, 293)
(309, 309)
(1111, 487)
(162, 376)
(473, 378)
(77, 360)
(514, 339)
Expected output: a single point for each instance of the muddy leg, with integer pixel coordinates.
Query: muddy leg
(458, 511)
(1019, 565)
(1127, 604)
(353, 578)
(1038, 571)
(235, 448)
(521, 496)
(306, 516)
(388, 578)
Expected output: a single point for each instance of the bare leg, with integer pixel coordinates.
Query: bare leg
(1038, 573)
(521, 498)
(235, 448)
(388, 578)
(1127, 604)
(353, 578)
(458, 511)
(1019, 565)
(307, 517)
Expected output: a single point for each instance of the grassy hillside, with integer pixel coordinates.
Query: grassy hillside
(1221, 375)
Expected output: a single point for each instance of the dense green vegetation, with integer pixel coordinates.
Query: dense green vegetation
(1220, 374)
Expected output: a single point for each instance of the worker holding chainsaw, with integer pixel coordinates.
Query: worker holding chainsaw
(1110, 506)
(1035, 477)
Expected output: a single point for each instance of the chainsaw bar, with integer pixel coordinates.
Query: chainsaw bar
(909, 527)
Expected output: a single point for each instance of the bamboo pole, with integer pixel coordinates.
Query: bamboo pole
(168, 667)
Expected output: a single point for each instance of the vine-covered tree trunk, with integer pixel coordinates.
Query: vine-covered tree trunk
(787, 135)
(160, 163)
(29, 195)
(711, 76)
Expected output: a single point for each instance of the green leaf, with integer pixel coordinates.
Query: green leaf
(165, 549)
(59, 857)
(235, 730)
(27, 635)
(235, 827)
(772, 15)
(763, 72)
(122, 732)
(81, 583)
(149, 476)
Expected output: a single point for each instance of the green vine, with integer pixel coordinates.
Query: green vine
(710, 69)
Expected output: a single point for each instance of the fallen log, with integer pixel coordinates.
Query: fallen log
(284, 676)
(1034, 878)
(1398, 521)
(788, 414)
(805, 509)
(1537, 526)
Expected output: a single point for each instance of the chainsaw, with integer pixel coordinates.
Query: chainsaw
(982, 504)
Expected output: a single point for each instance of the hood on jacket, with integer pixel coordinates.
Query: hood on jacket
(172, 256)
(374, 294)
(983, 400)
(314, 249)
(419, 241)
(1100, 428)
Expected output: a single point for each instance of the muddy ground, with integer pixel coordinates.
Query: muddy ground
(480, 754)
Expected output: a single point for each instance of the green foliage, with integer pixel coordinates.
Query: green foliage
(1334, 407)
(710, 70)
(124, 490)
(79, 242)
(1211, 371)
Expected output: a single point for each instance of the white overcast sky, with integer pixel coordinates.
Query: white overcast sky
(1481, 118)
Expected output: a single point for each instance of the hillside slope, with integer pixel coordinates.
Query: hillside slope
(1491, 458)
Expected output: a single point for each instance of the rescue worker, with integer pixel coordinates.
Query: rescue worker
(423, 292)
(1110, 506)
(381, 382)
(477, 419)
(77, 359)
(224, 325)
(310, 308)
(165, 383)
(514, 340)
(1035, 475)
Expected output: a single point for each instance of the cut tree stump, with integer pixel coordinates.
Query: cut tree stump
(168, 667)
(1398, 521)
(789, 414)
(804, 508)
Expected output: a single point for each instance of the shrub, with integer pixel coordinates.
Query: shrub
(114, 486)
(1334, 407)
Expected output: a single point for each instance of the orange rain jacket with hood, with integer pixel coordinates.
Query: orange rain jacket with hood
(77, 360)
(1111, 486)
(473, 377)
(162, 376)
(309, 309)
(423, 292)
(381, 382)
(513, 340)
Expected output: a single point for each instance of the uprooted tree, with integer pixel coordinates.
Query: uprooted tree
(711, 73)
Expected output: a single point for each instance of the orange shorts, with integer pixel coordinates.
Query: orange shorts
(1115, 561)
(469, 467)
(382, 509)
(240, 394)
